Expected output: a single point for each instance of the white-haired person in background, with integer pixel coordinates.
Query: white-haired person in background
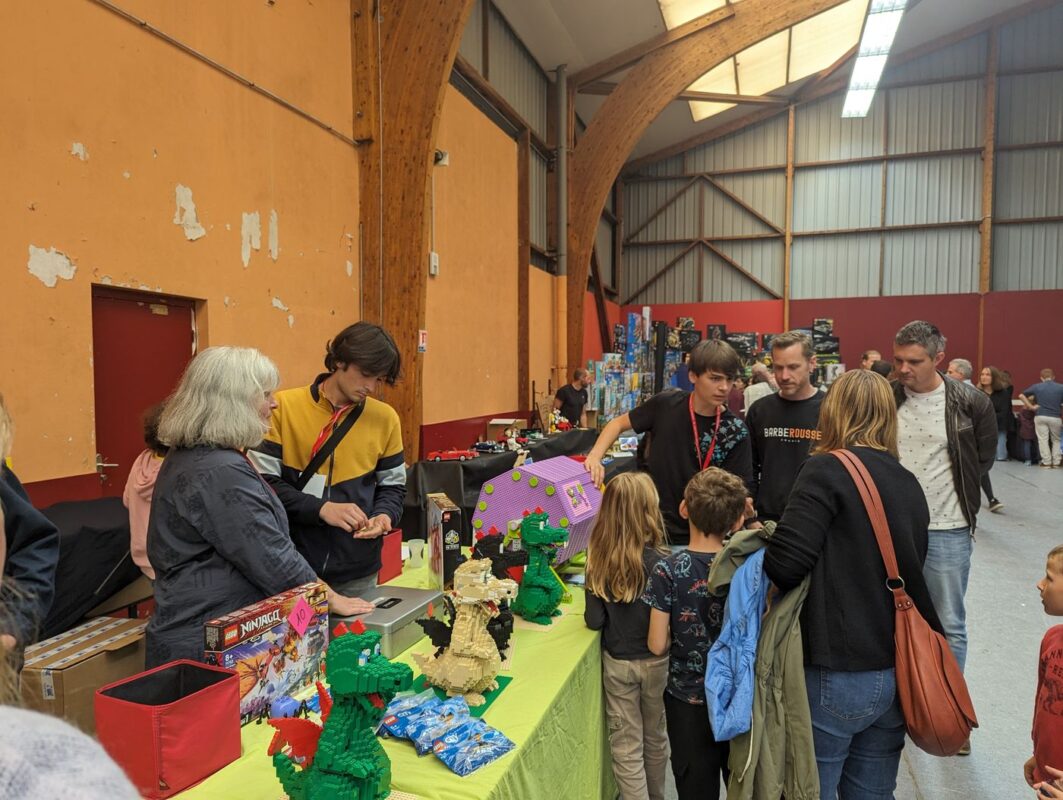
(218, 536)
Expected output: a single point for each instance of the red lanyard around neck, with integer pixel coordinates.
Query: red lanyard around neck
(697, 438)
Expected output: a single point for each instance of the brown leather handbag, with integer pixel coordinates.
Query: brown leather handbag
(937, 707)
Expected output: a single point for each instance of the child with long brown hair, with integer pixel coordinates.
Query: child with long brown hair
(626, 543)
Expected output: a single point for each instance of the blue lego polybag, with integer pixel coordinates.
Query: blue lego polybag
(470, 746)
(424, 730)
(398, 723)
(404, 702)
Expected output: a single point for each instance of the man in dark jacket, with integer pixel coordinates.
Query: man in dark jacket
(946, 436)
(32, 543)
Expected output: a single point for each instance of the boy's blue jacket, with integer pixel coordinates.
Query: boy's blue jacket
(729, 676)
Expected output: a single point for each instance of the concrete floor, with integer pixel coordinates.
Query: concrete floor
(1005, 626)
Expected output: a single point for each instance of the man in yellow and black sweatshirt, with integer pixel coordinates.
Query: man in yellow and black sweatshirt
(356, 494)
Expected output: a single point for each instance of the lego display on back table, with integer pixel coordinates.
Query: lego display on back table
(541, 589)
(559, 485)
(342, 757)
(468, 657)
(274, 645)
(444, 538)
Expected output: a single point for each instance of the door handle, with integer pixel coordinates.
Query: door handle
(101, 464)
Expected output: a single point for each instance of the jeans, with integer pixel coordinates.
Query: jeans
(947, 568)
(858, 732)
(638, 740)
(1002, 446)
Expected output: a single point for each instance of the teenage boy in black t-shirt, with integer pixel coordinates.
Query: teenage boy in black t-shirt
(691, 431)
(783, 426)
(571, 399)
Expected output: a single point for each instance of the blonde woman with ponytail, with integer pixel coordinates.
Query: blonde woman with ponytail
(626, 543)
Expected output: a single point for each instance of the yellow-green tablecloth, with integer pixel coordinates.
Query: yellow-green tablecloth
(553, 710)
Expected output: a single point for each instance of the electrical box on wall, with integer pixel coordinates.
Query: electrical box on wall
(433, 263)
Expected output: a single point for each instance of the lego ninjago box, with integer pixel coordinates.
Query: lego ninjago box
(262, 643)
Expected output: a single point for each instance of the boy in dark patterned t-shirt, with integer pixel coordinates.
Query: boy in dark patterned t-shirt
(684, 622)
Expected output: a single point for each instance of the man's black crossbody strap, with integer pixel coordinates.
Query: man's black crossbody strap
(329, 447)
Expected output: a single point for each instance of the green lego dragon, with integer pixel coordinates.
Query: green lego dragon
(343, 757)
(540, 590)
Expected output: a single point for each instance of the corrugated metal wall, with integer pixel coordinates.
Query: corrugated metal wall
(472, 39)
(932, 111)
(537, 170)
(515, 74)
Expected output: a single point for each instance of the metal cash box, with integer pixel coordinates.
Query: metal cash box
(397, 610)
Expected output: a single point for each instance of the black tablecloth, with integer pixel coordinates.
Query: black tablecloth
(94, 559)
(461, 480)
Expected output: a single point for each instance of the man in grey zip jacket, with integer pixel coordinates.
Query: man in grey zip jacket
(946, 436)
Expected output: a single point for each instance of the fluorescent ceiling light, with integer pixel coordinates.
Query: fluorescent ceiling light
(883, 19)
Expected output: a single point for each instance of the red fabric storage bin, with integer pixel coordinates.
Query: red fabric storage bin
(172, 726)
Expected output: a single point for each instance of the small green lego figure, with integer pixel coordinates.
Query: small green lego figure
(540, 591)
(349, 761)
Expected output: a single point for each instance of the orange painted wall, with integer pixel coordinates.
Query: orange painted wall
(542, 348)
(151, 117)
(470, 367)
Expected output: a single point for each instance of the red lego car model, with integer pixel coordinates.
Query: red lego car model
(451, 455)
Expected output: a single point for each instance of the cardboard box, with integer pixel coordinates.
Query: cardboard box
(265, 649)
(444, 539)
(497, 427)
(61, 675)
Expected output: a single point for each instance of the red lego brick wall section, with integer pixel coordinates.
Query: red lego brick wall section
(1021, 334)
(866, 323)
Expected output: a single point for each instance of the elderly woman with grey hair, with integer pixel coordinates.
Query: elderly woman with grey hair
(218, 536)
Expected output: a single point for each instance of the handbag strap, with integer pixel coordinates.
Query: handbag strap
(877, 514)
(328, 447)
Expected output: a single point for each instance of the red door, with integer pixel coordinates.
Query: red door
(141, 344)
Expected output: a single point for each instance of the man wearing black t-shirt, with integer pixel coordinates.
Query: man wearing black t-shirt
(691, 431)
(783, 426)
(571, 399)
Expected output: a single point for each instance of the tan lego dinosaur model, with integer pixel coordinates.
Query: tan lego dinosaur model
(467, 658)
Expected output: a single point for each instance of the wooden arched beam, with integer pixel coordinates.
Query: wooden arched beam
(628, 111)
(402, 54)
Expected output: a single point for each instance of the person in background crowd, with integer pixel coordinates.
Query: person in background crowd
(1028, 434)
(869, 357)
(626, 543)
(1045, 399)
(947, 437)
(685, 619)
(682, 375)
(691, 431)
(139, 486)
(736, 399)
(783, 425)
(991, 383)
(218, 535)
(960, 369)
(847, 624)
(32, 554)
(571, 399)
(760, 385)
(883, 368)
(42, 756)
(356, 494)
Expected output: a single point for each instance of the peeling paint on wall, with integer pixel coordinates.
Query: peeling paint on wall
(291, 320)
(279, 304)
(350, 269)
(225, 300)
(77, 150)
(185, 215)
(274, 245)
(106, 280)
(250, 235)
(126, 175)
(48, 266)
